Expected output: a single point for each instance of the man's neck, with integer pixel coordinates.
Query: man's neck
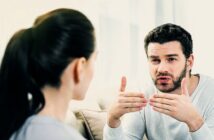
(193, 83)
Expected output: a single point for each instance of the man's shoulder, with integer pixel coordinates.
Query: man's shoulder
(205, 88)
(206, 81)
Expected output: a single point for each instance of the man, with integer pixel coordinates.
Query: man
(180, 105)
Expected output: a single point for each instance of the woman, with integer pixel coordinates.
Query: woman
(43, 68)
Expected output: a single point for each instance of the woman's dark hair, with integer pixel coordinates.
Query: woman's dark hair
(170, 32)
(36, 57)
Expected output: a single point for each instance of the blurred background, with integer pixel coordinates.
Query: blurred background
(121, 26)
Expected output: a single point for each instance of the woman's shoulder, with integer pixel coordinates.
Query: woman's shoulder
(43, 127)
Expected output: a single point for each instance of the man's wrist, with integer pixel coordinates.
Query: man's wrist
(195, 124)
(113, 123)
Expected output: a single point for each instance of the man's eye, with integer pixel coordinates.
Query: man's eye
(155, 61)
(171, 59)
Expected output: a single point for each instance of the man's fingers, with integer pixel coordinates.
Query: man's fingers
(132, 100)
(162, 101)
(127, 110)
(123, 84)
(132, 94)
(162, 106)
(133, 105)
(164, 111)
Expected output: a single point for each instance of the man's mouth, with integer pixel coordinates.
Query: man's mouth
(163, 79)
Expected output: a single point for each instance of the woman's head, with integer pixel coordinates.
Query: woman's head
(59, 41)
(59, 37)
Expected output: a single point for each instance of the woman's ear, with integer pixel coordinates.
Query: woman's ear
(79, 67)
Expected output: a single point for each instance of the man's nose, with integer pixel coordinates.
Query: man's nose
(163, 67)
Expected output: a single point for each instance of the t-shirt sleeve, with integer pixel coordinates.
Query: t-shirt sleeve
(206, 132)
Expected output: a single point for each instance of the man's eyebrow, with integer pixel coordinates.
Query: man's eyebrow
(153, 56)
(171, 55)
(168, 55)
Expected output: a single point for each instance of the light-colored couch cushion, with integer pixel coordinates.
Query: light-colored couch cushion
(88, 118)
(94, 122)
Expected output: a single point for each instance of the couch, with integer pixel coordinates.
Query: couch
(89, 116)
(89, 121)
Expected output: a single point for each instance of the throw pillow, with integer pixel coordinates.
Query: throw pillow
(94, 122)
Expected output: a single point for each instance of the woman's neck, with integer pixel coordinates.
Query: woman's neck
(56, 103)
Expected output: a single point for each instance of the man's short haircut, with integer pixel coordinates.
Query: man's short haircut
(170, 32)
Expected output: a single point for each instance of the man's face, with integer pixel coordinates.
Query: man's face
(167, 64)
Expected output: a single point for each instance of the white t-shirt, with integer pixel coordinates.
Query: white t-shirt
(39, 127)
(157, 126)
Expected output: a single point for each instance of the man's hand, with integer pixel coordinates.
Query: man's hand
(179, 107)
(126, 102)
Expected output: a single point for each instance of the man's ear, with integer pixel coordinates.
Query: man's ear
(190, 62)
(79, 68)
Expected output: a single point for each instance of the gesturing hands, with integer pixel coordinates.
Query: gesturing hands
(126, 102)
(178, 107)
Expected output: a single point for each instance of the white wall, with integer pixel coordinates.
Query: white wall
(120, 27)
(197, 18)
(15, 15)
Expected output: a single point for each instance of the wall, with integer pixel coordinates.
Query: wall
(120, 27)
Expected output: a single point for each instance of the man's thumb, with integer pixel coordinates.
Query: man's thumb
(123, 84)
(184, 88)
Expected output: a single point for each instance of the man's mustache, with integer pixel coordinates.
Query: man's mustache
(164, 74)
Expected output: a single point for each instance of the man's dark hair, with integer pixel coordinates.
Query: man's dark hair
(170, 32)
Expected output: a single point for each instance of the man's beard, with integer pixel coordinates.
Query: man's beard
(176, 82)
